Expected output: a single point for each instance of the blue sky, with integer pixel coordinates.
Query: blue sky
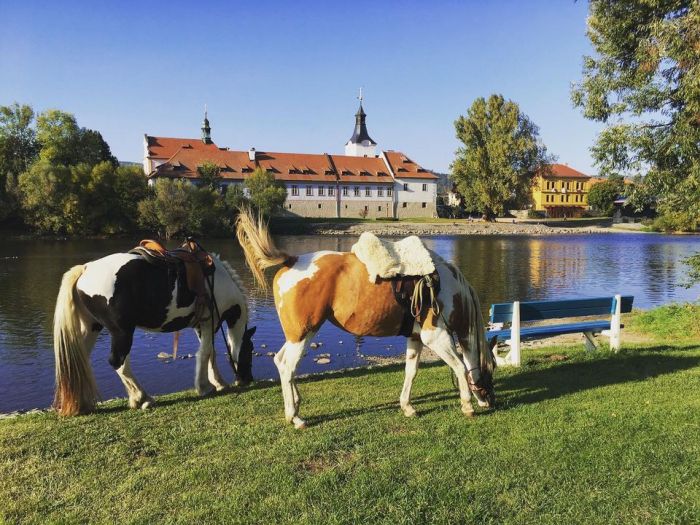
(284, 76)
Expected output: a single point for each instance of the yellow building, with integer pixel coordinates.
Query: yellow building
(561, 192)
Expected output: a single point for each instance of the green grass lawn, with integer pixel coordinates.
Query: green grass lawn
(577, 438)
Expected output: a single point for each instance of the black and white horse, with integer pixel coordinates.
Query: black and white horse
(122, 292)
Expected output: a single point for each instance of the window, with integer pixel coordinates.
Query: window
(345, 192)
(331, 191)
(366, 208)
(295, 190)
(356, 191)
(309, 191)
(423, 204)
(425, 187)
(405, 186)
(321, 191)
(403, 204)
(379, 208)
(380, 192)
(289, 206)
(319, 205)
(368, 192)
(389, 191)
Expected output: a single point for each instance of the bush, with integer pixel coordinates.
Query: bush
(676, 222)
(535, 214)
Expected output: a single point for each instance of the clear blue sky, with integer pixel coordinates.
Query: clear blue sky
(284, 76)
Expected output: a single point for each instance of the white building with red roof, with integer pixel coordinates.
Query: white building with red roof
(361, 182)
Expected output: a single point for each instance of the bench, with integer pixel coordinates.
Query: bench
(518, 312)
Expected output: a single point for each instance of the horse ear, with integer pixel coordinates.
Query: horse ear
(251, 331)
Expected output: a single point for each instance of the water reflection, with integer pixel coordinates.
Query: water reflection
(500, 268)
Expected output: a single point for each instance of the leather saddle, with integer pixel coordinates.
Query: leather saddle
(412, 301)
(192, 260)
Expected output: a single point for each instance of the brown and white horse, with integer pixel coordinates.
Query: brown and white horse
(322, 286)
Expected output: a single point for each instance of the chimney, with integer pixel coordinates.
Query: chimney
(251, 154)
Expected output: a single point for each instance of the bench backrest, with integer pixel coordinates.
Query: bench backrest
(539, 310)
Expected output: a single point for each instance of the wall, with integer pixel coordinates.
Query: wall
(415, 209)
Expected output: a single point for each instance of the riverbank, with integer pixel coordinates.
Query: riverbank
(429, 227)
(577, 437)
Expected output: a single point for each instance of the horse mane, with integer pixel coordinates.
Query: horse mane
(231, 272)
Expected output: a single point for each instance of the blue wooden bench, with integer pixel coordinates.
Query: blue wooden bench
(518, 312)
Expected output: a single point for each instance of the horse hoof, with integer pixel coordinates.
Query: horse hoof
(203, 392)
(148, 404)
(468, 413)
(299, 424)
(409, 411)
(221, 388)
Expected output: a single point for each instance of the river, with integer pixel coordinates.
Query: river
(501, 268)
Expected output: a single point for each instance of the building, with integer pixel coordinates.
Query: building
(359, 183)
(561, 191)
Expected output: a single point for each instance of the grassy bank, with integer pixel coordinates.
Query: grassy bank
(577, 438)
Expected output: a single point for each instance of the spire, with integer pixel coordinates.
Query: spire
(360, 135)
(206, 130)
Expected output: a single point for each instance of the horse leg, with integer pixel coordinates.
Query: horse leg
(201, 381)
(439, 340)
(287, 360)
(214, 375)
(119, 359)
(414, 346)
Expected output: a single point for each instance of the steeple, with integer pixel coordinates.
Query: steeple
(206, 130)
(360, 144)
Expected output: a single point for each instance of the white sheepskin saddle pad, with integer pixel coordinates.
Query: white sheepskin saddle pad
(388, 259)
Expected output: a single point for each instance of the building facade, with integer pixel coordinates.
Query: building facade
(361, 183)
(561, 191)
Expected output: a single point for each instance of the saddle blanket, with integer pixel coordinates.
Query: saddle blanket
(387, 259)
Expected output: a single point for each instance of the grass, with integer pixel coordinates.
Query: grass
(591, 438)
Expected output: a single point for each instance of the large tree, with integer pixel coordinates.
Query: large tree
(267, 194)
(18, 149)
(644, 83)
(500, 156)
(603, 194)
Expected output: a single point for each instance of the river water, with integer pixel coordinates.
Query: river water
(501, 268)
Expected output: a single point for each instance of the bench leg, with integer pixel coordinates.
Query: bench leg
(615, 324)
(514, 354)
(589, 341)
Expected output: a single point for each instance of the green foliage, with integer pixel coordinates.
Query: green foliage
(234, 198)
(267, 195)
(535, 214)
(693, 263)
(209, 175)
(644, 82)
(674, 321)
(500, 156)
(18, 149)
(81, 199)
(676, 221)
(603, 194)
(63, 142)
(177, 207)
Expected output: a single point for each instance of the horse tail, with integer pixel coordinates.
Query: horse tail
(477, 329)
(76, 391)
(259, 248)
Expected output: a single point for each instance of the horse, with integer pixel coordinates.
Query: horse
(316, 287)
(122, 292)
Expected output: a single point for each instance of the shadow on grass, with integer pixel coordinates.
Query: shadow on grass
(526, 386)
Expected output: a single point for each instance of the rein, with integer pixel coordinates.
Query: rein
(214, 308)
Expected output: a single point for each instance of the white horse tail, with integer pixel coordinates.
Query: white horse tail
(259, 248)
(478, 330)
(76, 391)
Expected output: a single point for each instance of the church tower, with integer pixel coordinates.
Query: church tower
(206, 130)
(360, 144)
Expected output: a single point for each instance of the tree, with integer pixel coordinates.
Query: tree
(18, 149)
(63, 142)
(500, 156)
(267, 194)
(644, 83)
(209, 175)
(234, 198)
(177, 207)
(48, 200)
(603, 194)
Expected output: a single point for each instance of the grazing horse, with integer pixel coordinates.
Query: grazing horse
(123, 291)
(332, 286)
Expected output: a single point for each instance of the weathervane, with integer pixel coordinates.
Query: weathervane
(360, 97)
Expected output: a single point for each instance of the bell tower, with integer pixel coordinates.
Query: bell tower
(360, 144)
(206, 130)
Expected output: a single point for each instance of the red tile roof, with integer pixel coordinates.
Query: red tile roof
(405, 168)
(182, 157)
(562, 170)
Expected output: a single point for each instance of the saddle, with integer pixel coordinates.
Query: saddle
(408, 266)
(190, 256)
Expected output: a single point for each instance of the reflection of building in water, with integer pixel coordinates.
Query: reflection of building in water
(555, 267)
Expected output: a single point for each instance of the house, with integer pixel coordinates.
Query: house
(561, 191)
(359, 183)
